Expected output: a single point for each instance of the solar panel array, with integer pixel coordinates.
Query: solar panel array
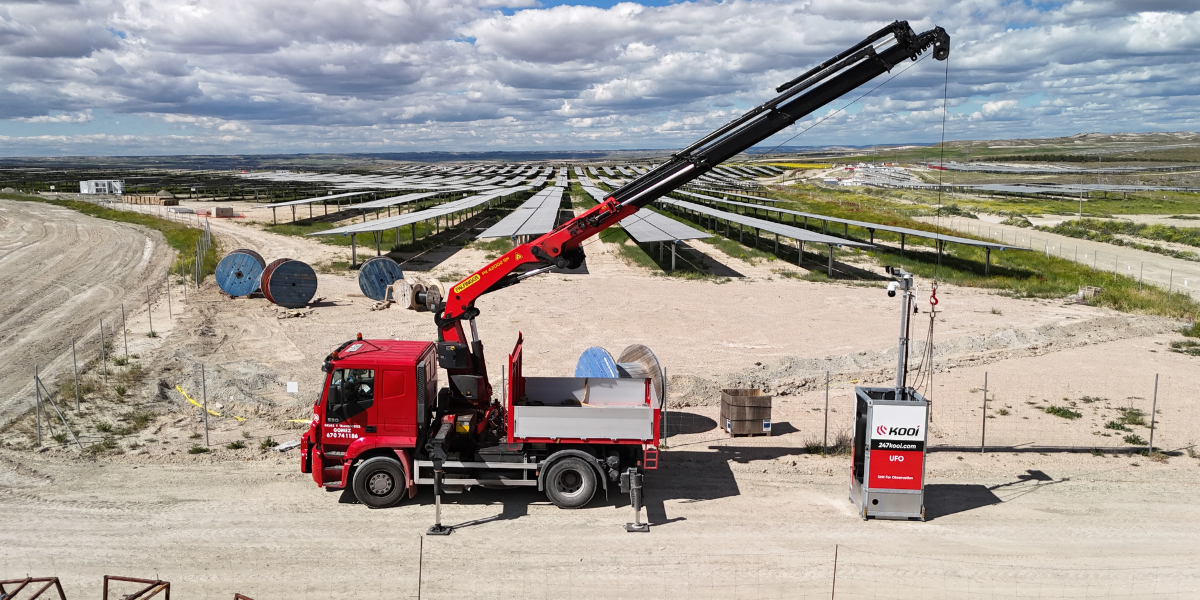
(535, 216)
(646, 226)
(423, 215)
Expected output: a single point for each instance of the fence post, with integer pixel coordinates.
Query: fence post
(1153, 409)
(833, 589)
(124, 332)
(103, 354)
(825, 444)
(204, 396)
(75, 367)
(38, 407)
(149, 314)
(983, 432)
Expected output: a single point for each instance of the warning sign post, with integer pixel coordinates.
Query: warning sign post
(888, 474)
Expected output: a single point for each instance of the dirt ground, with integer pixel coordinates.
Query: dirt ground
(61, 272)
(733, 518)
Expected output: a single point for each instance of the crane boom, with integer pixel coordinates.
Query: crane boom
(562, 247)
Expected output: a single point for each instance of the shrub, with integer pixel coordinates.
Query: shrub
(1134, 439)
(1062, 411)
(197, 449)
(267, 444)
(1116, 425)
(194, 436)
(235, 445)
(104, 427)
(1132, 416)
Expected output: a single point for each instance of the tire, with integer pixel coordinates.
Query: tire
(379, 482)
(570, 483)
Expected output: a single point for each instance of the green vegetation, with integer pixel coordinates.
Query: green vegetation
(267, 444)
(135, 421)
(106, 443)
(194, 436)
(1015, 273)
(1192, 330)
(1107, 232)
(104, 427)
(1062, 411)
(235, 445)
(1186, 347)
(1132, 416)
(495, 248)
(179, 236)
(1116, 426)
(197, 449)
(1134, 439)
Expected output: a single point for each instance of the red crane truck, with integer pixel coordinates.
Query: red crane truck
(384, 426)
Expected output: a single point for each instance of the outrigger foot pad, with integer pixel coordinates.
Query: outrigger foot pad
(439, 530)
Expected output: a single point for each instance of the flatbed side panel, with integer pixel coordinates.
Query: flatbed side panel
(598, 423)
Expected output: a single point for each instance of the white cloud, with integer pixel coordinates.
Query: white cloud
(377, 75)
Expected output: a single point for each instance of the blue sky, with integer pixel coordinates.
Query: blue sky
(267, 76)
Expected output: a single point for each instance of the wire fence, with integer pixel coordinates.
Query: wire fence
(101, 362)
(1024, 410)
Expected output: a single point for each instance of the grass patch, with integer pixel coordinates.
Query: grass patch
(194, 436)
(1190, 347)
(104, 427)
(1132, 416)
(494, 248)
(1134, 439)
(267, 444)
(1062, 411)
(235, 445)
(1192, 330)
(1116, 426)
(838, 446)
(197, 449)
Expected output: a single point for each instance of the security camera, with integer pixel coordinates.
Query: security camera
(892, 289)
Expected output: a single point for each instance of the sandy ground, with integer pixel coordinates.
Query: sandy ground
(62, 271)
(745, 517)
(1163, 271)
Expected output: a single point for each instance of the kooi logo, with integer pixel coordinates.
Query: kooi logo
(885, 430)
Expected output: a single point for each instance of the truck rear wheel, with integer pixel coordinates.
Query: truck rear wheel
(570, 483)
(379, 482)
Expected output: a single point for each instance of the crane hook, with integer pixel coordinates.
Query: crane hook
(933, 299)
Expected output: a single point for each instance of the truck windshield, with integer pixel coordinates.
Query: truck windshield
(351, 391)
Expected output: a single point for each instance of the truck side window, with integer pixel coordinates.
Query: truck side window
(351, 391)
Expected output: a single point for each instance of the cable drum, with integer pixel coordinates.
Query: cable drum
(289, 283)
(238, 272)
(376, 275)
(635, 362)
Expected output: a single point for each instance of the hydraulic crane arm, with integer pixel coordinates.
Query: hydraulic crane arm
(561, 248)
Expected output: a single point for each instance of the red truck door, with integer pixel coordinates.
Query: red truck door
(397, 405)
(350, 407)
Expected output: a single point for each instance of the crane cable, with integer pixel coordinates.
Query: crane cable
(923, 380)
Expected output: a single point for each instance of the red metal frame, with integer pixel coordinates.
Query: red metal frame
(153, 588)
(21, 583)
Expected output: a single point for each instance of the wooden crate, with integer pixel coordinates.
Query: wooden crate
(745, 412)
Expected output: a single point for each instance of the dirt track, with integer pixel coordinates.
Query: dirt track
(60, 271)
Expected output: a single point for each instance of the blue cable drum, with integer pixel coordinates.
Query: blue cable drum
(237, 274)
(596, 362)
(376, 275)
(290, 283)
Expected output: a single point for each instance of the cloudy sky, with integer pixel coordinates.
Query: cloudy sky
(265, 76)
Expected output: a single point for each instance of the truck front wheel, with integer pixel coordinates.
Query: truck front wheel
(570, 483)
(379, 482)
